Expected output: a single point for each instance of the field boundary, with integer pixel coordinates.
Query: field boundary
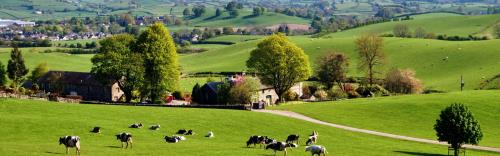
(382, 134)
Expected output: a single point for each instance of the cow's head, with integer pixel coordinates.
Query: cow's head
(61, 140)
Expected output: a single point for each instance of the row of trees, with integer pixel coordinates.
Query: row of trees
(147, 64)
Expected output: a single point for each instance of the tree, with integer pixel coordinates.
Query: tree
(199, 10)
(332, 69)
(457, 126)
(231, 6)
(385, 13)
(162, 71)
(196, 94)
(279, 63)
(234, 13)
(38, 72)
(370, 53)
(186, 12)
(244, 91)
(16, 68)
(401, 30)
(420, 33)
(3, 77)
(402, 81)
(117, 62)
(218, 12)
(257, 11)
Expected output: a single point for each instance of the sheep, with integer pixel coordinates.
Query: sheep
(313, 138)
(96, 130)
(316, 149)
(155, 127)
(256, 140)
(125, 138)
(70, 142)
(292, 138)
(135, 125)
(210, 134)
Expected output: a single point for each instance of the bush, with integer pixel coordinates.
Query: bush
(372, 91)
(402, 81)
(243, 92)
(336, 94)
(291, 96)
(178, 95)
(321, 95)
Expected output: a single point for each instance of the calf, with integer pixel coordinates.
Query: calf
(313, 138)
(70, 142)
(280, 146)
(316, 149)
(210, 134)
(155, 127)
(125, 138)
(292, 138)
(136, 125)
(96, 130)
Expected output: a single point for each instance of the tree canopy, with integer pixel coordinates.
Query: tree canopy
(457, 126)
(38, 72)
(279, 63)
(16, 68)
(3, 75)
(162, 71)
(370, 53)
(332, 69)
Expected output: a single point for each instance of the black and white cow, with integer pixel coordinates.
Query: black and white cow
(292, 138)
(96, 130)
(256, 140)
(70, 142)
(280, 146)
(316, 149)
(313, 138)
(136, 125)
(125, 138)
(190, 132)
(155, 127)
(174, 139)
(181, 131)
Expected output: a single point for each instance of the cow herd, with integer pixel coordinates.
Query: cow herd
(292, 141)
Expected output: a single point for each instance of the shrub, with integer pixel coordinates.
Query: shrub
(321, 95)
(336, 94)
(178, 95)
(306, 92)
(403, 81)
(372, 91)
(244, 91)
(291, 96)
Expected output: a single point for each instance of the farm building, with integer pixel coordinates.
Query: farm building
(79, 84)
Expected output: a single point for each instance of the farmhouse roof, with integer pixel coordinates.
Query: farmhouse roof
(68, 77)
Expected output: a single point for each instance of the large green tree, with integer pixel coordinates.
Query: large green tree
(332, 69)
(16, 68)
(162, 70)
(371, 54)
(279, 63)
(457, 126)
(117, 62)
(3, 75)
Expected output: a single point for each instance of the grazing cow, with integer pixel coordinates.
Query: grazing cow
(210, 134)
(256, 140)
(292, 138)
(155, 127)
(190, 132)
(270, 141)
(174, 139)
(70, 142)
(280, 146)
(313, 138)
(181, 131)
(136, 125)
(125, 138)
(316, 149)
(96, 130)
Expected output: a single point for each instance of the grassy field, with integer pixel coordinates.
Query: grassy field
(411, 115)
(56, 61)
(34, 127)
(439, 23)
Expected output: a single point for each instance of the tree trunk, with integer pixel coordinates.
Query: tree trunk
(455, 151)
(128, 96)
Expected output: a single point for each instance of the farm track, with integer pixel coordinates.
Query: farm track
(382, 134)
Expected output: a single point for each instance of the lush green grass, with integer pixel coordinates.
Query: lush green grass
(475, 60)
(236, 38)
(56, 61)
(69, 42)
(411, 115)
(33, 128)
(245, 18)
(439, 23)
